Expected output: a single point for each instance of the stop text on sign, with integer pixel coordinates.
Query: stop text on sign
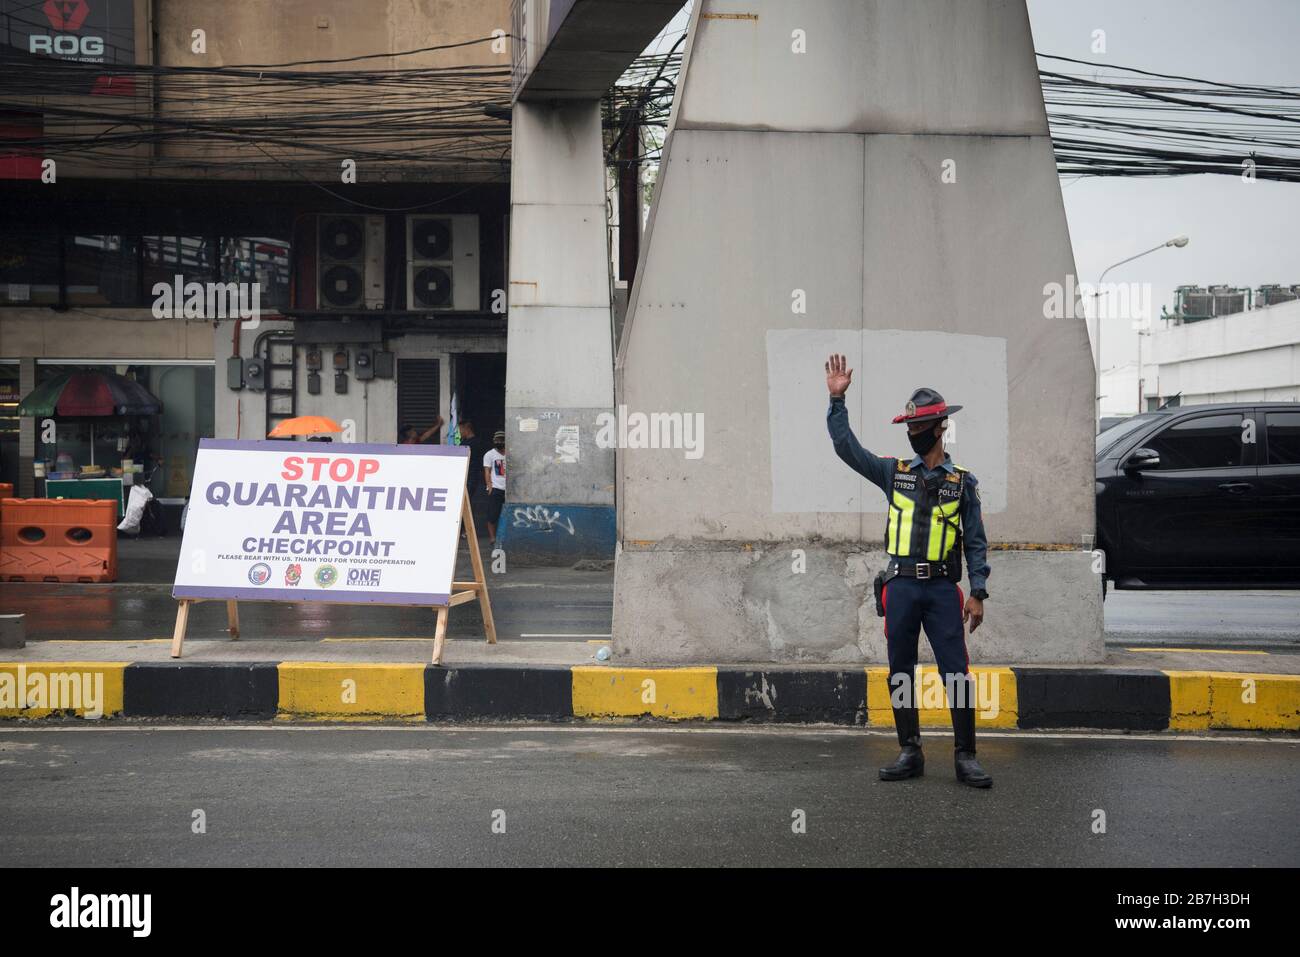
(337, 469)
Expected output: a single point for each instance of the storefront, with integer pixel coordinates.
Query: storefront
(163, 444)
(9, 395)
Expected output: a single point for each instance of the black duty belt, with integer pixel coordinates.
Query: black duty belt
(918, 570)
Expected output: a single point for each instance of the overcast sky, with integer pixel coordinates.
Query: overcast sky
(1241, 234)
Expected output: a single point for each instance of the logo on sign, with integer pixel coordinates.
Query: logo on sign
(364, 577)
(260, 573)
(69, 16)
(66, 14)
(326, 575)
(293, 574)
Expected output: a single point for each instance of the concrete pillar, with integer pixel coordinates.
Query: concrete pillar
(27, 431)
(874, 178)
(559, 364)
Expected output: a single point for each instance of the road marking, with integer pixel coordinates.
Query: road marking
(1202, 700)
(1200, 651)
(676, 693)
(995, 686)
(548, 635)
(356, 691)
(160, 586)
(106, 641)
(601, 638)
(606, 728)
(552, 585)
(81, 686)
(429, 638)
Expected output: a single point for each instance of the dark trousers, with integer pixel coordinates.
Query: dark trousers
(935, 604)
(496, 500)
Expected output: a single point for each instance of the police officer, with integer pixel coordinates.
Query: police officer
(933, 505)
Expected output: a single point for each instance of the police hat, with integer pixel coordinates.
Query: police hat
(926, 405)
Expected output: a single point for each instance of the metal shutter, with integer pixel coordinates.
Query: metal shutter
(417, 392)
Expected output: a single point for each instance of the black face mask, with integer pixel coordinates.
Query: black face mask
(923, 442)
(501, 447)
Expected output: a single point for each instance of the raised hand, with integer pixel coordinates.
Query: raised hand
(838, 375)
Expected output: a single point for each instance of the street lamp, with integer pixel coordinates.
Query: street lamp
(1178, 242)
(1142, 381)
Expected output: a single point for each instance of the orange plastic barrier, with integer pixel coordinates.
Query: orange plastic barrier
(6, 490)
(58, 540)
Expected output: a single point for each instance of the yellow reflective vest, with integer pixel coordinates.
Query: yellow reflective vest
(923, 523)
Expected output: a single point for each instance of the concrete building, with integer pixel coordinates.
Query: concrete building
(1119, 388)
(382, 287)
(873, 178)
(1240, 357)
(1249, 356)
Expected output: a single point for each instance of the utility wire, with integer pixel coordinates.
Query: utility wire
(446, 118)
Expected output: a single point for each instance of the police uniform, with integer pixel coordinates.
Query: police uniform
(933, 517)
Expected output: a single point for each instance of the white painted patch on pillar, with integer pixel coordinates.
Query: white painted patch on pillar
(889, 365)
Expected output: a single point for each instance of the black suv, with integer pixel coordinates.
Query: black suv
(1205, 496)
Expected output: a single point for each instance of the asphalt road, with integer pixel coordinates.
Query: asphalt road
(1225, 619)
(540, 604)
(556, 602)
(570, 795)
(564, 602)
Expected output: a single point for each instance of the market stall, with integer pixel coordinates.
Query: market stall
(91, 396)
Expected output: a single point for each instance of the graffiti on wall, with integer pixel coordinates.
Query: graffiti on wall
(539, 518)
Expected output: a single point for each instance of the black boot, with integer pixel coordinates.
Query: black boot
(968, 768)
(910, 762)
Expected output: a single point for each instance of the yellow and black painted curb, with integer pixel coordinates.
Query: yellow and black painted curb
(1007, 697)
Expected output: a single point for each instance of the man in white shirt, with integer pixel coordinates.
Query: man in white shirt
(494, 478)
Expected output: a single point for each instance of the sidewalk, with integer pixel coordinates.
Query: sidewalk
(525, 602)
(314, 661)
(386, 680)
(471, 649)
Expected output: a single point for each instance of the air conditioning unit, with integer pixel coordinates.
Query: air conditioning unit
(1192, 303)
(1274, 293)
(349, 263)
(1229, 300)
(442, 263)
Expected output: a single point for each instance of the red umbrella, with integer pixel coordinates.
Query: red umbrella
(89, 393)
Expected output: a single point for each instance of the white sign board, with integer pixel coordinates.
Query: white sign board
(316, 521)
